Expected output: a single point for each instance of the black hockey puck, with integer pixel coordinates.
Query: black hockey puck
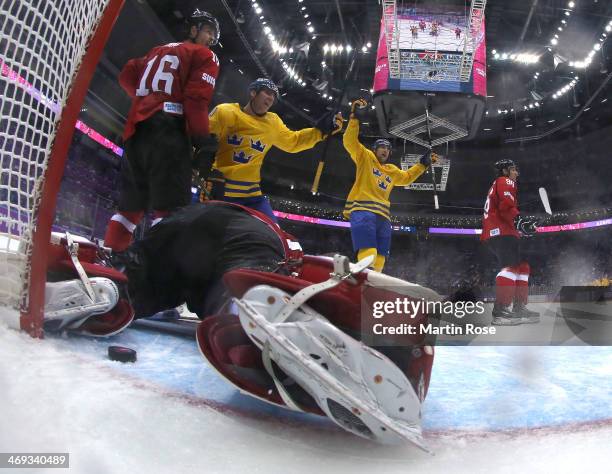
(121, 354)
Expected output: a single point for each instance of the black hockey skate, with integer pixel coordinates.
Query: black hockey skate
(502, 316)
(530, 317)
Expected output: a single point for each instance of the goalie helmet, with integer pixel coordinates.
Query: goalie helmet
(199, 18)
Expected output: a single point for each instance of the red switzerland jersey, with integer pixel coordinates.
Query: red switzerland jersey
(178, 78)
(500, 209)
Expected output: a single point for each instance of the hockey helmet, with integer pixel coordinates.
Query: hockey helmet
(382, 143)
(200, 18)
(504, 163)
(264, 83)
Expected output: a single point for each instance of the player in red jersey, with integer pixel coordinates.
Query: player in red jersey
(502, 226)
(171, 87)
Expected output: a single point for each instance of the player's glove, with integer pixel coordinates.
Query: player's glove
(329, 124)
(428, 158)
(526, 225)
(204, 150)
(358, 103)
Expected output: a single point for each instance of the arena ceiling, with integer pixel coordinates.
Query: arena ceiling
(522, 26)
(320, 78)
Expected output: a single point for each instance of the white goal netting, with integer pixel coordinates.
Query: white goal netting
(42, 44)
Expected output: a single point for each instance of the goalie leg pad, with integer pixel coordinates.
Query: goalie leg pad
(357, 387)
(68, 306)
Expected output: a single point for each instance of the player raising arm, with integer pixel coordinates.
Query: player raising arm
(367, 205)
(246, 134)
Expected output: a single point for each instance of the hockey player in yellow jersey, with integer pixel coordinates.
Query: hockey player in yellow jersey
(367, 205)
(246, 134)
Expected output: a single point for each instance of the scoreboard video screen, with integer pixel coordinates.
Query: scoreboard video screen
(431, 44)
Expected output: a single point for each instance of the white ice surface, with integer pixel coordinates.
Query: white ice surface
(55, 400)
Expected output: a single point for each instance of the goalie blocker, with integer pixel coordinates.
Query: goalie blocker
(287, 330)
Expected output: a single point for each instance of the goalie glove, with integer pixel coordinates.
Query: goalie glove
(428, 158)
(329, 124)
(526, 225)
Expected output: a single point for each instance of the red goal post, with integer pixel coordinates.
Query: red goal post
(49, 50)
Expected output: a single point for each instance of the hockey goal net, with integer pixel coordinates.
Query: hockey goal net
(48, 53)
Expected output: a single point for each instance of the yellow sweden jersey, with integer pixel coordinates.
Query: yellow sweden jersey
(374, 181)
(244, 141)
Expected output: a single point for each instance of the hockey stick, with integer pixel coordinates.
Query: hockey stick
(433, 174)
(545, 202)
(321, 165)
